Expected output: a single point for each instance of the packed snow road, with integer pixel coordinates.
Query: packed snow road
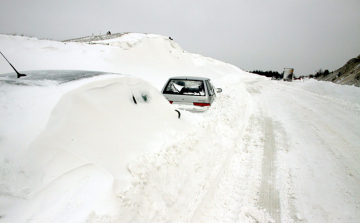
(297, 160)
(317, 142)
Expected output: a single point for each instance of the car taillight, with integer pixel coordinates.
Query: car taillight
(171, 102)
(201, 104)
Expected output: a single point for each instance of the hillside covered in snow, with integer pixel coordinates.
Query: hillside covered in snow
(74, 147)
(348, 74)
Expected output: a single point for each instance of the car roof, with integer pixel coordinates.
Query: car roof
(191, 78)
(41, 77)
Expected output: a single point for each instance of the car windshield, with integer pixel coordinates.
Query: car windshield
(185, 87)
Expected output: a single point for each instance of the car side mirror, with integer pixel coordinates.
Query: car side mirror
(218, 90)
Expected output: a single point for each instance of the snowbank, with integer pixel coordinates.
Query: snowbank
(151, 57)
(88, 151)
(329, 89)
(346, 95)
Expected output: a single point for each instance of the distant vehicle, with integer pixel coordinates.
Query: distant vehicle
(190, 93)
(288, 74)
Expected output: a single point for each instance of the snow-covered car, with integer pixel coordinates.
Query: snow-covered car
(190, 93)
(45, 77)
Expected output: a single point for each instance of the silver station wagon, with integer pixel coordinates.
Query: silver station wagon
(190, 93)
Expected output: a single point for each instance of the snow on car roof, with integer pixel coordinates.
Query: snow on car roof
(191, 78)
(44, 77)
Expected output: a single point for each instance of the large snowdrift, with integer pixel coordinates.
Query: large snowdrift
(92, 135)
(100, 124)
(85, 143)
(153, 58)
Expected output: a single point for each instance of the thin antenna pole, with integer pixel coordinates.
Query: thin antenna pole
(18, 74)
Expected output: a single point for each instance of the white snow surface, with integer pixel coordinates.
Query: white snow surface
(83, 151)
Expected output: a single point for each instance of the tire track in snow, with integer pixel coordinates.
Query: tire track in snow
(247, 190)
(224, 198)
(274, 201)
(324, 159)
(235, 195)
(269, 195)
(330, 134)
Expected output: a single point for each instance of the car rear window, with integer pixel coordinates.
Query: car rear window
(185, 87)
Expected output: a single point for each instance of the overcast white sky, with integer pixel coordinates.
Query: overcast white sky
(251, 34)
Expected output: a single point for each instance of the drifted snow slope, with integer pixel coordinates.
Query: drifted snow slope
(151, 57)
(265, 152)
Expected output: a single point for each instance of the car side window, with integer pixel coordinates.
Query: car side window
(210, 88)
